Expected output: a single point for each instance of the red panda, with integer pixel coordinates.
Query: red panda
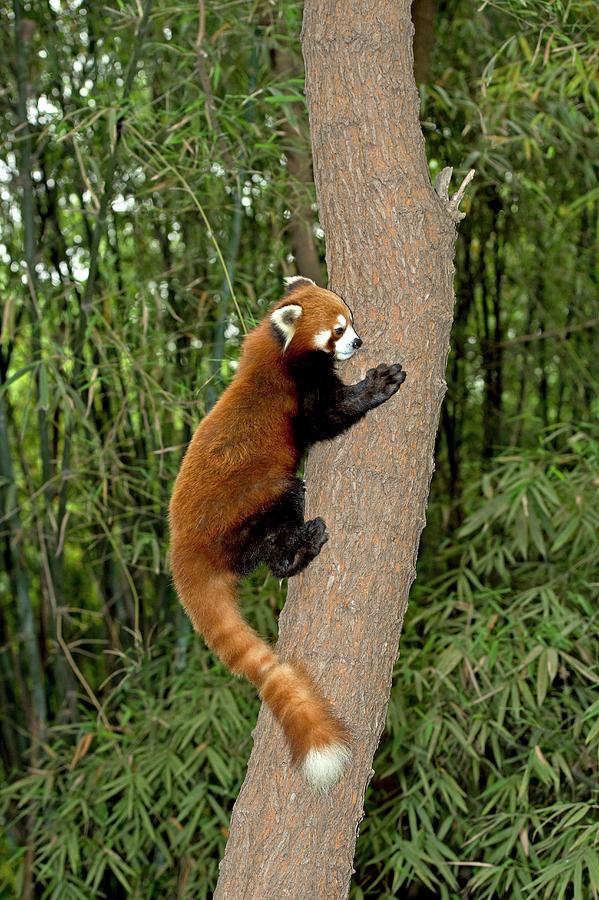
(237, 501)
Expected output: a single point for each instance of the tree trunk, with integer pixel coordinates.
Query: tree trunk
(390, 241)
(423, 17)
(299, 166)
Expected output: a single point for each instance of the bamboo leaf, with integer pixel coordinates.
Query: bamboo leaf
(542, 677)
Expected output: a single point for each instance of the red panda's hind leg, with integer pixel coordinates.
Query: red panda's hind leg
(279, 537)
(287, 560)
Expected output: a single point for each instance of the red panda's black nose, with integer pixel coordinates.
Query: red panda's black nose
(357, 342)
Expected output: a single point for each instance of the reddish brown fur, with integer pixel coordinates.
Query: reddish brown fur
(241, 459)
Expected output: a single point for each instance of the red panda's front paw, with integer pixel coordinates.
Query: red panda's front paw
(383, 382)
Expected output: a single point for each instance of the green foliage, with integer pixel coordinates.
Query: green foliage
(492, 746)
(486, 779)
(140, 809)
(101, 403)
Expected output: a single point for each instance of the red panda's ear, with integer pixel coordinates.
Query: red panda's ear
(284, 320)
(294, 281)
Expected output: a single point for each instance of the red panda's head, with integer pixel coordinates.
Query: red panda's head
(310, 318)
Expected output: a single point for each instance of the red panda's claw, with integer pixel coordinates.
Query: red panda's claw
(385, 381)
(316, 535)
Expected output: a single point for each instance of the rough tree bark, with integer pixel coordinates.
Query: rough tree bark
(390, 243)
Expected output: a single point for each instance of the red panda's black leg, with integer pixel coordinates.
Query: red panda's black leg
(379, 385)
(278, 537)
(284, 561)
(329, 410)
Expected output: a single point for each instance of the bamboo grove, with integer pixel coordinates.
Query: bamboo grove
(155, 188)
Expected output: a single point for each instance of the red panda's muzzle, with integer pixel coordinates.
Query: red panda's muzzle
(347, 344)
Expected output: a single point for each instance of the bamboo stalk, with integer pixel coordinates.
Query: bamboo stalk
(16, 552)
(63, 679)
(86, 303)
(26, 613)
(218, 344)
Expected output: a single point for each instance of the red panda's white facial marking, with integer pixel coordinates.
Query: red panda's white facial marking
(341, 325)
(322, 339)
(340, 340)
(347, 344)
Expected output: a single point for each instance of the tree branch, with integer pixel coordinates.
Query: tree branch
(559, 333)
(442, 190)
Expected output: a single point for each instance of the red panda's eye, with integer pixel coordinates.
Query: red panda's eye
(339, 330)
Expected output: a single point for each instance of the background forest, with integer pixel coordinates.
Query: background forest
(155, 187)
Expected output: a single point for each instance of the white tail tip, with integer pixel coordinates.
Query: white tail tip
(323, 768)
